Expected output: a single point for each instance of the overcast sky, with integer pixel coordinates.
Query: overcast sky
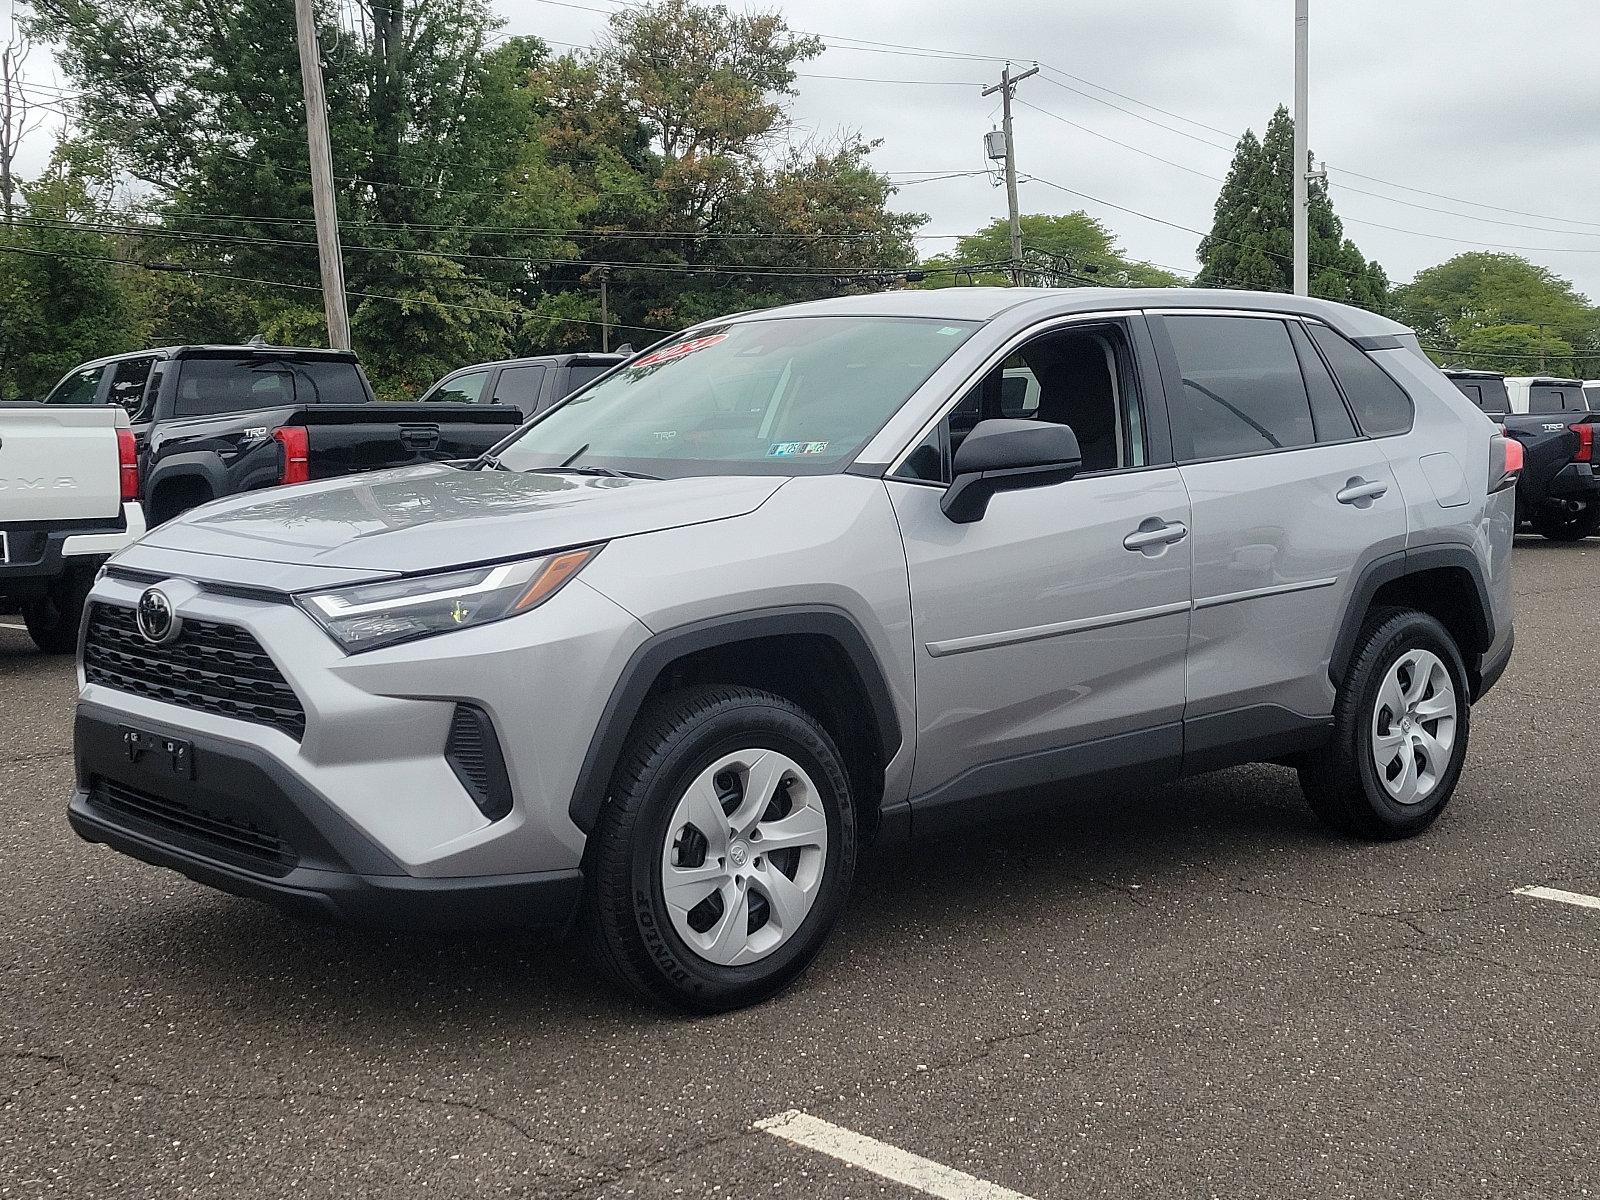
(1491, 102)
(1496, 102)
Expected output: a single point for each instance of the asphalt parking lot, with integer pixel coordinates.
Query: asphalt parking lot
(1189, 992)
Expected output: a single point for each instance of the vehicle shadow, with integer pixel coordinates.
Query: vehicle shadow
(204, 949)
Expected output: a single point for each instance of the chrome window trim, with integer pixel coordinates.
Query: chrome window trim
(988, 364)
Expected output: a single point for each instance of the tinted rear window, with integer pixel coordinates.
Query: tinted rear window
(581, 373)
(1592, 395)
(1487, 394)
(1546, 398)
(222, 385)
(1379, 403)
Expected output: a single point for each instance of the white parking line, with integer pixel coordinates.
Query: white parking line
(1560, 897)
(882, 1159)
(9, 625)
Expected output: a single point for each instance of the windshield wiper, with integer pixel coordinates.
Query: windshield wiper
(606, 472)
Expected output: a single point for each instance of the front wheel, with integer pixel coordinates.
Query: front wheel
(1569, 525)
(1400, 731)
(724, 856)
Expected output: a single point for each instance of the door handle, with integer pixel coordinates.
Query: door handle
(1155, 532)
(1358, 490)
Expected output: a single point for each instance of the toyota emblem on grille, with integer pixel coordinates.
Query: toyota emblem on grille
(156, 620)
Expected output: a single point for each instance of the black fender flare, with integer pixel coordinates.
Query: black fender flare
(1390, 567)
(198, 464)
(663, 649)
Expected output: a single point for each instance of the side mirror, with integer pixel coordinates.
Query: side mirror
(1006, 455)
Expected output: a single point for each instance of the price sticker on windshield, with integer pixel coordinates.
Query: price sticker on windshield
(678, 350)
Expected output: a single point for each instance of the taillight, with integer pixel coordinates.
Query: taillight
(1585, 443)
(128, 464)
(296, 445)
(1505, 460)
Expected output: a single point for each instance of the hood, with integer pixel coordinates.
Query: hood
(434, 517)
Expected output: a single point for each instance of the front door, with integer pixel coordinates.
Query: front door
(1051, 634)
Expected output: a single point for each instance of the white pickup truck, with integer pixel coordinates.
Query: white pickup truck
(69, 487)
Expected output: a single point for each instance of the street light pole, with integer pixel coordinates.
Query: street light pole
(1006, 87)
(322, 201)
(1302, 158)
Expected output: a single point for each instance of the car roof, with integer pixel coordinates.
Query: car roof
(221, 348)
(604, 358)
(986, 303)
(1470, 373)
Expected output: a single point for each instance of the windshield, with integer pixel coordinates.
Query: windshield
(787, 396)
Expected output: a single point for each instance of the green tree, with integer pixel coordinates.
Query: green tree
(1479, 305)
(1251, 243)
(1059, 250)
(63, 297)
(431, 126)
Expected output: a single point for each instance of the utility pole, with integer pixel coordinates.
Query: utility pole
(1302, 153)
(322, 202)
(1006, 86)
(1543, 363)
(605, 309)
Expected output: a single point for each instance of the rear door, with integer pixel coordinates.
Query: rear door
(1051, 634)
(1288, 499)
(519, 386)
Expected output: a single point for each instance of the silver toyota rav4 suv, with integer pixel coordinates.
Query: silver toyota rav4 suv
(660, 664)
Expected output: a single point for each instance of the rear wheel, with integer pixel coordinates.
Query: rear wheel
(52, 619)
(1569, 525)
(1400, 731)
(725, 854)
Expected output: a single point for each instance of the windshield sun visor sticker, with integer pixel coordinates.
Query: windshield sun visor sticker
(675, 351)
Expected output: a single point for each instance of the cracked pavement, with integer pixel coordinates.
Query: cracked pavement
(1188, 991)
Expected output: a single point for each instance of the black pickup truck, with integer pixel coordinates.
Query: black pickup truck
(211, 421)
(1558, 493)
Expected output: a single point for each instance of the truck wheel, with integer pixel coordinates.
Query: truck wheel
(724, 856)
(1563, 525)
(52, 619)
(1400, 731)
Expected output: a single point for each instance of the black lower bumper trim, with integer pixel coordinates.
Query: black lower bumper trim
(547, 899)
(1491, 670)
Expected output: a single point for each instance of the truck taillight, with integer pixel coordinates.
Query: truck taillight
(296, 444)
(1585, 443)
(128, 464)
(1505, 460)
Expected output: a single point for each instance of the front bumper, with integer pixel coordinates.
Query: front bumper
(231, 817)
(374, 821)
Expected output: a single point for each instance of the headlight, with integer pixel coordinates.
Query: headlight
(370, 615)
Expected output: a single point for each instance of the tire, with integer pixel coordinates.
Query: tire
(52, 619)
(1564, 526)
(1343, 781)
(704, 746)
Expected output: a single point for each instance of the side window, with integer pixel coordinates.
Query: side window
(80, 387)
(1242, 389)
(1078, 377)
(1328, 412)
(519, 386)
(1380, 404)
(1591, 395)
(463, 389)
(127, 385)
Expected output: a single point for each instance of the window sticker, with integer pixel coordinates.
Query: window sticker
(678, 350)
(793, 449)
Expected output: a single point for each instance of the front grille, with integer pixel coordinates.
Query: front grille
(230, 836)
(210, 667)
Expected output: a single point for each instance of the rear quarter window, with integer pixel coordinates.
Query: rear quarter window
(1380, 404)
(207, 386)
